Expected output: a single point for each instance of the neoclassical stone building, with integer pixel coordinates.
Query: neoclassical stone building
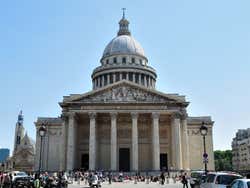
(124, 123)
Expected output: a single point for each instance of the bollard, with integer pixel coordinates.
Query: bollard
(135, 182)
(167, 180)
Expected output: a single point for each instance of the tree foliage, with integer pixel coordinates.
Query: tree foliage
(223, 160)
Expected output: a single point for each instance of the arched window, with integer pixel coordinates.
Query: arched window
(107, 61)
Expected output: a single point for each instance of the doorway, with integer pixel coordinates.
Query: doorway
(124, 159)
(85, 161)
(164, 161)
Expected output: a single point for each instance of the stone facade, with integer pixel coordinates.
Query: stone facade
(124, 123)
(241, 150)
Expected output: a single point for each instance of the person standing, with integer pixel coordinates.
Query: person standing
(110, 177)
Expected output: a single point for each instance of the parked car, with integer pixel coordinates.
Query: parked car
(18, 174)
(196, 178)
(219, 179)
(240, 183)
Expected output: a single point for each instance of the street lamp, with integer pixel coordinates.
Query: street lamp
(42, 132)
(203, 131)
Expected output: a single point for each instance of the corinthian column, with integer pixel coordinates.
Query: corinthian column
(113, 150)
(156, 141)
(92, 141)
(63, 141)
(185, 144)
(176, 141)
(71, 142)
(134, 141)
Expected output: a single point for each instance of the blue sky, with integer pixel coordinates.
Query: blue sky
(48, 49)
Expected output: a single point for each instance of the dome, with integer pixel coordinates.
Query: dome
(123, 59)
(123, 44)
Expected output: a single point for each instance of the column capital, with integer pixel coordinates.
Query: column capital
(71, 114)
(184, 113)
(155, 115)
(64, 116)
(92, 115)
(176, 115)
(134, 115)
(113, 115)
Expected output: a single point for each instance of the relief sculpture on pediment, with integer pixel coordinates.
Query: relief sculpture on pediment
(124, 94)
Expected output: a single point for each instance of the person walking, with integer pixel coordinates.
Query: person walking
(37, 183)
(162, 178)
(184, 180)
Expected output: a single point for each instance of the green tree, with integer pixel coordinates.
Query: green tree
(223, 160)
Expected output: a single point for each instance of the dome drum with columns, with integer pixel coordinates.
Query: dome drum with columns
(124, 59)
(124, 123)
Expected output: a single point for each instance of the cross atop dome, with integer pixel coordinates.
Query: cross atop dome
(123, 11)
(123, 30)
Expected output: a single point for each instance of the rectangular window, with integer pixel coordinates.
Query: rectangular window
(130, 76)
(142, 79)
(124, 60)
(111, 78)
(105, 80)
(115, 60)
(124, 75)
(140, 61)
(137, 78)
(133, 60)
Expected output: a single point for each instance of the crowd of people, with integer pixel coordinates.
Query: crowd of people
(62, 179)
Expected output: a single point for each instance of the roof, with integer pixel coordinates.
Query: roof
(49, 121)
(123, 44)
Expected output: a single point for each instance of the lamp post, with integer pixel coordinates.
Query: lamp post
(203, 131)
(42, 132)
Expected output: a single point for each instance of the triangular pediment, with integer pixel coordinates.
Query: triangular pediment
(125, 92)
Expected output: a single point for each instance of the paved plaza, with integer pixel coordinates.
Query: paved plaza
(129, 184)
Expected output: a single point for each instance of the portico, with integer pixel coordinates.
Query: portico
(145, 130)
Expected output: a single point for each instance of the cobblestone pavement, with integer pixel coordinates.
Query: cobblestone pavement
(129, 184)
